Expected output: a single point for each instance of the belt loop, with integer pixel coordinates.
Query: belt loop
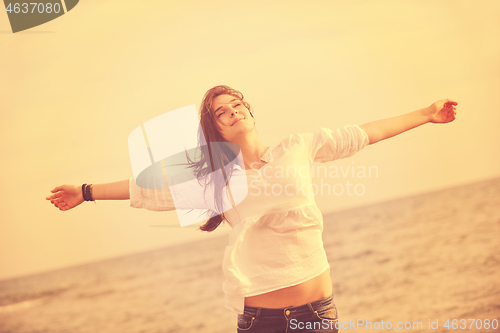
(257, 315)
(311, 308)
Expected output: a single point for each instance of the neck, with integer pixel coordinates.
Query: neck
(251, 149)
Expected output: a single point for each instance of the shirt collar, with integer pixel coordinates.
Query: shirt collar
(268, 156)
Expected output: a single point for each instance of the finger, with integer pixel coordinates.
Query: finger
(57, 188)
(54, 196)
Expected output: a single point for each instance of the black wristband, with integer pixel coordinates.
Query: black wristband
(83, 192)
(87, 192)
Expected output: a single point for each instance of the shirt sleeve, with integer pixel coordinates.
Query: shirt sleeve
(326, 144)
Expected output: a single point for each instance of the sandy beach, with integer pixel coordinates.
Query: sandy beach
(418, 261)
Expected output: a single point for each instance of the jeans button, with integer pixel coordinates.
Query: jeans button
(287, 312)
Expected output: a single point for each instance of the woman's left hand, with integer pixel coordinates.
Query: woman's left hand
(442, 111)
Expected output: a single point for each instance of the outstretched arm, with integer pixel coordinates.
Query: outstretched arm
(442, 111)
(66, 197)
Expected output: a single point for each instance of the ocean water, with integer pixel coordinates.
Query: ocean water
(421, 259)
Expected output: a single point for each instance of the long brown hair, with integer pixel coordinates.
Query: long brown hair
(214, 157)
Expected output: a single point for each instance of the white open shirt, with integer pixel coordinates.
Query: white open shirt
(275, 241)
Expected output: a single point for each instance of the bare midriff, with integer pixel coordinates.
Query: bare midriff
(312, 290)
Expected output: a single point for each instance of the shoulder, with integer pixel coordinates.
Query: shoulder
(289, 144)
(296, 139)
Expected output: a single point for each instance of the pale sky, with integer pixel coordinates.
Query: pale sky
(74, 88)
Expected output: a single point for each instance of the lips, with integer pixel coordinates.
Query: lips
(234, 122)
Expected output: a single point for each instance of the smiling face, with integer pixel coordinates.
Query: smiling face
(232, 117)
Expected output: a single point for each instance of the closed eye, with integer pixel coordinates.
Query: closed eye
(236, 105)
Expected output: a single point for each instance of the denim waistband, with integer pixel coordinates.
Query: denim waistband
(289, 311)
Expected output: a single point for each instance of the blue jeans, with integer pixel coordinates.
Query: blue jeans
(316, 317)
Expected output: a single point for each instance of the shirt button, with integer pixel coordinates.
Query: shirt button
(287, 312)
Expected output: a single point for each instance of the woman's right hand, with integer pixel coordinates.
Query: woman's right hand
(66, 197)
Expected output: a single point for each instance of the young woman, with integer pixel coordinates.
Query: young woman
(276, 270)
